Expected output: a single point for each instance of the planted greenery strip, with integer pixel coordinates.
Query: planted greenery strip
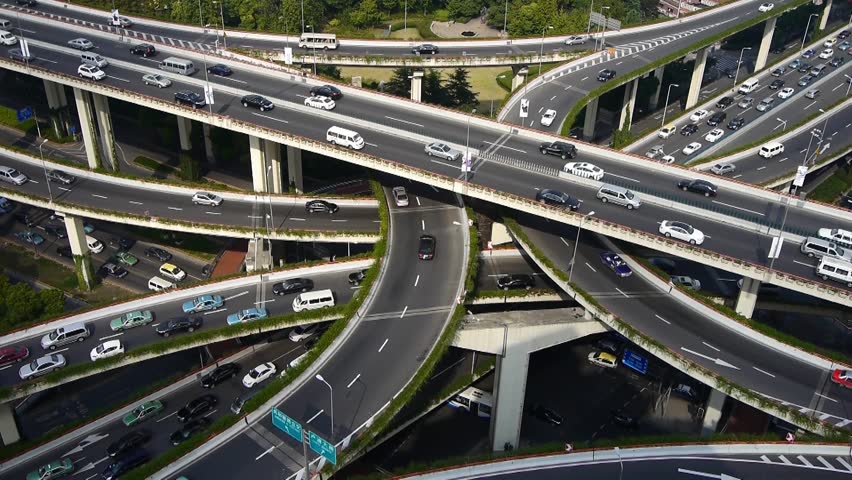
(532, 293)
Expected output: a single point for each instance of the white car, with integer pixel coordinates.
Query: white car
(91, 72)
(400, 196)
(836, 235)
(714, 135)
(81, 44)
(301, 332)
(765, 7)
(691, 148)
(547, 118)
(603, 359)
(584, 169)
(681, 231)
(667, 131)
(698, 115)
(667, 159)
(323, 103)
(786, 93)
(687, 282)
(110, 348)
(207, 198)
(826, 54)
(829, 43)
(258, 374)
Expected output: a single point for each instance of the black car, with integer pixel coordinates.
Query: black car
(17, 55)
(558, 199)
(219, 375)
(64, 251)
(843, 35)
(804, 67)
(609, 345)
(846, 200)
(426, 247)
(606, 75)
(143, 49)
(717, 118)
(27, 3)
(59, 176)
(725, 102)
(190, 99)
(124, 465)
(836, 61)
(560, 149)
(516, 281)
(729, 72)
(196, 407)
(688, 129)
(26, 218)
(188, 430)
(355, 278)
(698, 186)
(779, 71)
(546, 415)
(292, 285)
(778, 50)
(424, 49)
(736, 123)
(321, 206)
(258, 102)
(220, 70)
(55, 231)
(113, 270)
(121, 243)
(128, 442)
(625, 420)
(776, 84)
(329, 91)
(179, 324)
(158, 253)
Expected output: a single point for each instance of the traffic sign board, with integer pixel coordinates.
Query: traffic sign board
(322, 447)
(287, 424)
(25, 114)
(635, 361)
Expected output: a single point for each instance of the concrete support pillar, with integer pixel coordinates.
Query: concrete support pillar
(258, 164)
(591, 119)
(713, 412)
(510, 384)
(747, 297)
(87, 127)
(185, 133)
(208, 145)
(763, 51)
(8, 427)
(697, 76)
(57, 101)
(655, 98)
(82, 256)
(417, 86)
(294, 169)
(106, 131)
(628, 106)
(272, 153)
(519, 78)
(823, 19)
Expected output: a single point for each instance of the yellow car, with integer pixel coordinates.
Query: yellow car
(603, 359)
(172, 272)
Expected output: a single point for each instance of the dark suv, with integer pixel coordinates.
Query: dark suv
(556, 198)
(606, 75)
(736, 123)
(516, 281)
(717, 118)
(725, 102)
(144, 50)
(329, 91)
(158, 253)
(560, 149)
(776, 84)
(219, 375)
(190, 99)
(426, 248)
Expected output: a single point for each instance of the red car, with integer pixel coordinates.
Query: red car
(13, 354)
(843, 377)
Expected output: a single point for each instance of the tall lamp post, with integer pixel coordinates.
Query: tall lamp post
(466, 163)
(222, 16)
(541, 50)
(848, 82)
(44, 167)
(603, 27)
(739, 63)
(574, 255)
(620, 463)
(331, 390)
(807, 26)
(313, 48)
(666, 105)
(506, 19)
(591, 6)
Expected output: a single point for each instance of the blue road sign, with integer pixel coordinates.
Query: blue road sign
(635, 361)
(25, 114)
(322, 447)
(287, 424)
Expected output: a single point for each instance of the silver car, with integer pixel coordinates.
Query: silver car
(723, 168)
(442, 150)
(746, 102)
(207, 198)
(81, 44)
(158, 81)
(42, 366)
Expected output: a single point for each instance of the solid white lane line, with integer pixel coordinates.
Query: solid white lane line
(211, 312)
(663, 319)
(315, 415)
(591, 268)
(383, 345)
(711, 346)
(827, 398)
(764, 372)
(403, 311)
(111, 336)
(738, 208)
(353, 381)
(99, 196)
(237, 295)
(167, 416)
(417, 280)
(404, 121)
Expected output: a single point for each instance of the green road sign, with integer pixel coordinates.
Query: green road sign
(327, 450)
(287, 425)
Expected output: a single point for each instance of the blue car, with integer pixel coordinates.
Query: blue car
(5, 205)
(30, 237)
(249, 315)
(220, 70)
(203, 304)
(616, 264)
(88, 228)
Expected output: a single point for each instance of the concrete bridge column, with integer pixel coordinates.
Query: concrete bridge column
(208, 145)
(509, 389)
(272, 153)
(591, 119)
(747, 297)
(658, 74)
(82, 255)
(417, 86)
(697, 76)
(294, 169)
(87, 127)
(823, 20)
(58, 104)
(8, 427)
(185, 133)
(713, 412)
(628, 106)
(258, 163)
(106, 131)
(763, 51)
(520, 77)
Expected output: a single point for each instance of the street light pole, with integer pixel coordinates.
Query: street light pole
(319, 377)
(303, 16)
(200, 16)
(666, 106)
(222, 15)
(466, 158)
(807, 26)
(849, 83)
(541, 50)
(313, 47)
(44, 167)
(591, 6)
(603, 34)
(577, 241)
(620, 463)
(506, 19)
(740, 62)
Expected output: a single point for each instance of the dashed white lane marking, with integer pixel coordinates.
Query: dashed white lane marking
(738, 208)
(264, 453)
(353, 381)
(270, 118)
(764, 372)
(175, 208)
(619, 291)
(711, 346)
(383, 345)
(663, 319)
(135, 203)
(111, 336)
(417, 280)
(403, 121)
(315, 416)
(403, 311)
(99, 196)
(591, 267)
(827, 398)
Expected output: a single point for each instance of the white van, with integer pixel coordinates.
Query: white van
(95, 245)
(771, 149)
(157, 284)
(835, 269)
(92, 58)
(749, 86)
(313, 300)
(177, 65)
(7, 38)
(347, 138)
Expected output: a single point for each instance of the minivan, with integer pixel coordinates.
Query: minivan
(92, 58)
(749, 86)
(817, 247)
(7, 38)
(765, 104)
(177, 65)
(619, 196)
(347, 138)
(95, 245)
(157, 284)
(76, 332)
(830, 268)
(313, 300)
(771, 149)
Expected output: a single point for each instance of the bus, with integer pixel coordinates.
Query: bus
(325, 41)
(474, 400)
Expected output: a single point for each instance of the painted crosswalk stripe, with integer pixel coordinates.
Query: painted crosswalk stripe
(825, 462)
(843, 462)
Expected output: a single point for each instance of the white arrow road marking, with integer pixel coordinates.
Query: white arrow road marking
(717, 361)
(93, 438)
(237, 295)
(90, 466)
(720, 476)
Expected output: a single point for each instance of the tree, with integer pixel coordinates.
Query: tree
(433, 89)
(52, 302)
(464, 10)
(400, 84)
(459, 89)
(366, 15)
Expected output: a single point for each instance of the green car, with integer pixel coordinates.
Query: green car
(131, 320)
(57, 469)
(143, 412)
(126, 258)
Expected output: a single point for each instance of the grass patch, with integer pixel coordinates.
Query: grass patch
(833, 187)
(159, 169)
(198, 246)
(9, 118)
